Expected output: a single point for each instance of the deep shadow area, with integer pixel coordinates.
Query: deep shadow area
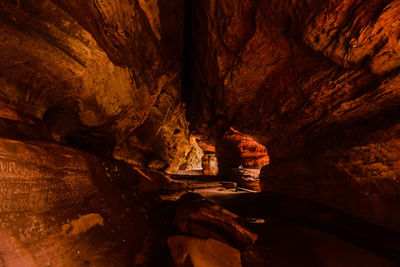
(282, 212)
(295, 232)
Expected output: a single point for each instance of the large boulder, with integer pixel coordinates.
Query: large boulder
(200, 217)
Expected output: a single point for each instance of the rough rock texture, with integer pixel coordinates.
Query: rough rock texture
(240, 158)
(193, 158)
(103, 75)
(246, 178)
(199, 217)
(60, 206)
(235, 149)
(209, 164)
(196, 252)
(317, 82)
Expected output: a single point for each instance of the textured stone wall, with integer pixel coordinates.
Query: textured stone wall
(235, 149)
(317, 82)
(103, 75)
(61, 206)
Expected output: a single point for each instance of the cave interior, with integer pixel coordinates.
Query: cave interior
(200, 133)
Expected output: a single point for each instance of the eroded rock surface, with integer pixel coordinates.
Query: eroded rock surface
(235, 149)
(103, 75)
(60, 206)
(209, 164)
(317, 83)
(199, 217)
(240, 158)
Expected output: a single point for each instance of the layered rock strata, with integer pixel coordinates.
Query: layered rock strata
(317, 82)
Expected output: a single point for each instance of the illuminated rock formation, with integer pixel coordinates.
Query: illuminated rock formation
(240, 158)
(317, 83)
(209, 164)
(101, 100)
(235, 149)
(103, 76)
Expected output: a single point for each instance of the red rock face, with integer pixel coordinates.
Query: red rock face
(235, 149)
(60, 206)
(240, 158)
(103, 75)
(317, 83)
(209, 164)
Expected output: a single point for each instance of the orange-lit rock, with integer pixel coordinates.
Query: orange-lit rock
(60, 206)
(235, 149)
(209, 164)
(104, 76)
(85, 84)
(317, 82)
(240, 158)
(199, 217)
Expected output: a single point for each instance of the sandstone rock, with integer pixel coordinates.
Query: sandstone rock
(193, 160)
(103, 75)
(62, 207)
(235, 149)
(156, 181)
(200, 217)
(205, 142)
(240, 158)
(246, 178)
(209, 164)
(197, 252)
(317, 83)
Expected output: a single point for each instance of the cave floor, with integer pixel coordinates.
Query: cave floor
(297, 233)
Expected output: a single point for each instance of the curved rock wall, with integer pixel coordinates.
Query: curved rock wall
(235, 149)
(103, 75)
(61, 206)
(317, 82)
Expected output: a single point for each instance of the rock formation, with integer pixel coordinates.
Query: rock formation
(317, 83)
(209, 164)
(240, 158)
(62, 206)
(100, 100)
(199, 217)
(235, 149)
(103, 76)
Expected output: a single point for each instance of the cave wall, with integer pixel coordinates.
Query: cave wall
(103, 75)
(317, 83)
(81, 83)
(314, 81)
(61, 206)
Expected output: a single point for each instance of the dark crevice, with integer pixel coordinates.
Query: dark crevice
(187, 63)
